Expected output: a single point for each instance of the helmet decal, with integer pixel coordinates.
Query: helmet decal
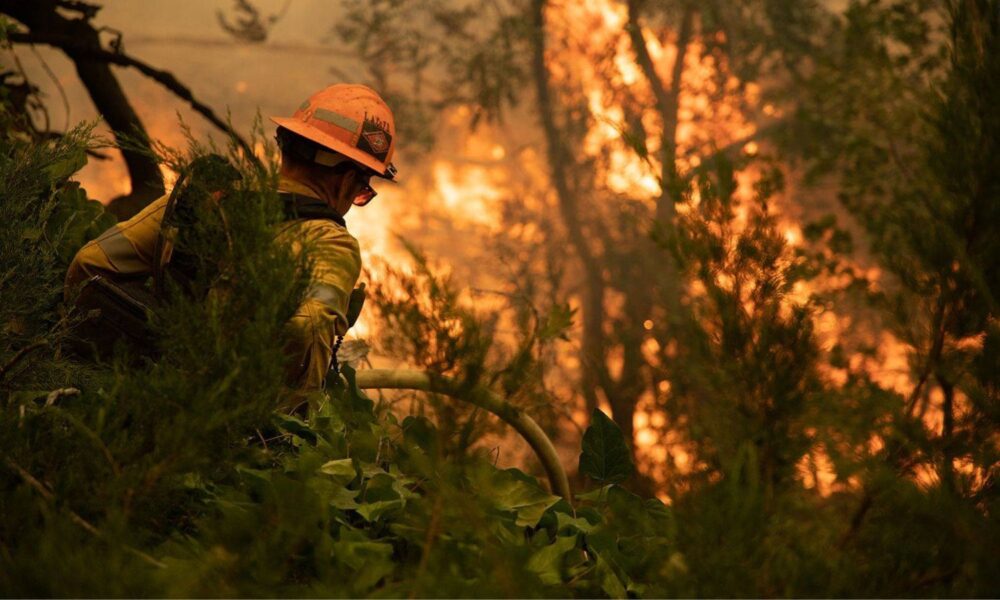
(375, 138)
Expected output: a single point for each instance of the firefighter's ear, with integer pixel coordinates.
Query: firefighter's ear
(347, 183)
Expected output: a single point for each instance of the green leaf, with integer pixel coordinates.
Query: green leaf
(568, 524)
(519, 493)
(370, 560)
(359, 404)
(342, 471)
(64, 168)
(420, 431)
(295, 426)
(547, 562)
(344, 499)
(606, 457)
(608, 579)
(557, 322)
(257, 479)
(373, 511)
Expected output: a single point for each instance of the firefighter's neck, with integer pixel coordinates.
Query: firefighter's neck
(334, 189)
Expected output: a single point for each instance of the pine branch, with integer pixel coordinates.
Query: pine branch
(23, 352)
(47, 494)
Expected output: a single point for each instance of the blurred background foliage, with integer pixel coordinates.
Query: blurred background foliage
(762, 247)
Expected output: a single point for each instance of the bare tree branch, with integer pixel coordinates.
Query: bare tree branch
(164, 78)
(42, 17)
(667, 100)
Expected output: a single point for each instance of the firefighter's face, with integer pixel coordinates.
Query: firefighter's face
(342, 186)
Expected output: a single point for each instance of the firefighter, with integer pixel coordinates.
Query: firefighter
(331, 147)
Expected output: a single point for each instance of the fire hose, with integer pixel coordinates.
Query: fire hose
(483, 397)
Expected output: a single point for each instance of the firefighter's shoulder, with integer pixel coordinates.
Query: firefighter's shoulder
(328, 242)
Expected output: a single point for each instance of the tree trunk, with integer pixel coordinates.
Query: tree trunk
(569, 210)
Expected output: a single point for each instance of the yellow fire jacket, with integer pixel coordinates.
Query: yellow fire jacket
(126, 251)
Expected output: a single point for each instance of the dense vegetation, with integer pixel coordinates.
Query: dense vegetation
(175, 477)
(173, 474)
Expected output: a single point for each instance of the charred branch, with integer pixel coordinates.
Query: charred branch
(43, 19)
(164, 78)
(667, 99)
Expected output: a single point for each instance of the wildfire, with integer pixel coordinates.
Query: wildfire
(467, 185)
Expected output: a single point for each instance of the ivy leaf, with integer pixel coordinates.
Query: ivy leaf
(342, 471)
(370, 560)
(63, 169)
(373, 511)
(359, 405)
(344, 499)
(606, 457)
(608, 579)
(519, 493)
(296, 427)
(568, 524)
(547, 562)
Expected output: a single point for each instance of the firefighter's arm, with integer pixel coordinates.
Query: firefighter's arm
(323, 314)
(123, 251)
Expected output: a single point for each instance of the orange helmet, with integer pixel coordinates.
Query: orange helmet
(350, 119)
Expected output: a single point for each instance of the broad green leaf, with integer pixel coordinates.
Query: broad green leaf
(371, 470)
(420, 432)
(65, 168)
(568, 524)
(373, 511)
(360, 405)
(344, 499)
(295, 426)
(257, 479)
(608, 579)
(517, 492)
(548, 561)
(606, 457)
(341, 471)
(595, 495)
(370, 560)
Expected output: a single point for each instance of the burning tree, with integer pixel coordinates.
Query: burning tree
(670, 133)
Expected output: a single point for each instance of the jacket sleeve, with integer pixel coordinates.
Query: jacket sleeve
(336, 266)
(123, 251)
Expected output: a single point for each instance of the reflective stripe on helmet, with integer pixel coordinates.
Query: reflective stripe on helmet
(336, 119)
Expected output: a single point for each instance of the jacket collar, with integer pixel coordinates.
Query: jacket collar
(299, 202)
